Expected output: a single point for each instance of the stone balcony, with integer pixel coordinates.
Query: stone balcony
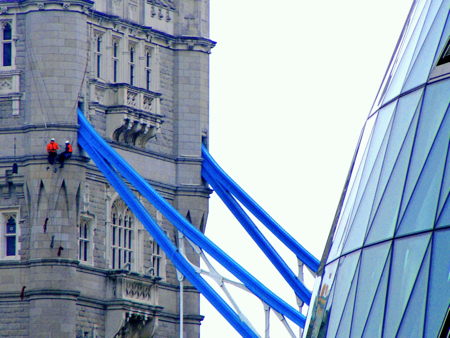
(132, 114)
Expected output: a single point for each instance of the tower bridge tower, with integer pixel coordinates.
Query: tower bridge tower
(74, 261)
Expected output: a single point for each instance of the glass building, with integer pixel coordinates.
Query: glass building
(385, 270)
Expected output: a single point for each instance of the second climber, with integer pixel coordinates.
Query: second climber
(66, 154)
(52, 151)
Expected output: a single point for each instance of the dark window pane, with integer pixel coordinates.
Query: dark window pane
(11, 226)
(98, 65)
(114, 236)
(115, 71)
(119, 260)
(113, 258)
(131, 75)
(85, 251)
(132, 55)
(7, 54)
(11, 246)
(115, 49)
(80, 249)
(148, 80)
(120, 236)
(129, 242)
(148, 59)
(99, 45)
(85, 231)
(7, 32)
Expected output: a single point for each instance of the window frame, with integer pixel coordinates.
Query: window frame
(10, 42)
(87, 241)
(5, 214)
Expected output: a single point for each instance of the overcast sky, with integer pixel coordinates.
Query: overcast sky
(291, 85)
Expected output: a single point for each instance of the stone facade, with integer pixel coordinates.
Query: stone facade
(73, 261)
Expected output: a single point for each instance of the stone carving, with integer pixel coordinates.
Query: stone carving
(131, 99)
(5, 84)
(169, 4)
(147, 103)
(100, 94)
(3, 9)
(138, 290)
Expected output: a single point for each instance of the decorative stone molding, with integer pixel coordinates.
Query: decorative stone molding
(10, 88)
(132, 287)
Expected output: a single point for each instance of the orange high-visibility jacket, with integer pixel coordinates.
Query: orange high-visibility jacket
(68, 148)
(52, 147)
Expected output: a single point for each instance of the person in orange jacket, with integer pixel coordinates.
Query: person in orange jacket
(52, 150)
(66, 154)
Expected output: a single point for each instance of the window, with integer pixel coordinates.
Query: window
(9, 232)
(115, 60)
(84, 241)
(156, 259)
(445, 55)
(98, 55)
(6, 45)
(122, 237)
(148, 71)
(132, 65)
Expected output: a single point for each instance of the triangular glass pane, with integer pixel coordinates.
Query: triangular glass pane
(439, 288)
(374, 323)
(422, 65)
(421, 211)
(407, 108)
(373, 261)
(407, 257)
(386, 213)
(372, 168)
(403, 63)
(443, 42)
(346, 319)
(349, 201)
(445, 188)
(444, 216)
(414, 317)
(435, 105)
(345, 276)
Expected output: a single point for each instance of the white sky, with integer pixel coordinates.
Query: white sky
(291, 85)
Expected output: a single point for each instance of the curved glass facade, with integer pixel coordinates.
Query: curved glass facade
(386, 269)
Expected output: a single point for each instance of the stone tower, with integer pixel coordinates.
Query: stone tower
(74, 261)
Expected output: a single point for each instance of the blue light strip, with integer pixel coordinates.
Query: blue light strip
(300, 290)
(184, 226)
(216, 171)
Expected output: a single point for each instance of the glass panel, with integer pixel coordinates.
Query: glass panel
(7, 54)
(343, 223)
(403, 123)
(430, 11)
(346, 319)
(7, 32)
(119, 258)
(113, 258)
(374, 261)
(115, 49)
(120, 237)
(86, 244)
(433, 110)
(80, 249)
(443, 44)
(444, 216)
(129, 240)
(421, 211)
(374, 322)
(445, 188)
(421, 68)
(11, 226)
(11, 246)
(439, 288)
(385, 214)
(414, 317)
(361, 221)
(345, 275)
(407, 258)
(402, 64)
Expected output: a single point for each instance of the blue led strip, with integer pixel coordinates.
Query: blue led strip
(300, 290)
(171, 251)
(216, 171)
(256, 287)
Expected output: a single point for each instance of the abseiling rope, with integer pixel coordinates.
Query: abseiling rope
(256, 287)
(171, 251)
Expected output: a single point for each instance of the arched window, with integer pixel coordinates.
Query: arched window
(9, 234)
(7, 45)
(122, 237)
